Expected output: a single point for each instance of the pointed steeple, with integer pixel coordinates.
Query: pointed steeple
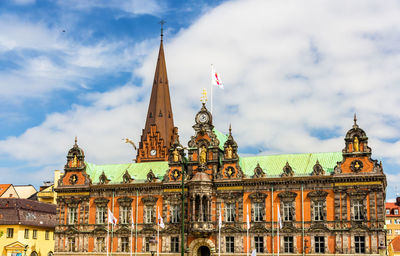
(159, 120)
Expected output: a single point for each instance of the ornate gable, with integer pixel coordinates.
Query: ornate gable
(287, 170)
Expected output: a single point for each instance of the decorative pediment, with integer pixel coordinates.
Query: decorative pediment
(100, 230)
(356, 193)
(149, 199)
(103, 179)
(289, 228)
(151, 177)
(72, 202)
(125, 201)
(258, 228)
(258, 197)
(124, 230)
(231, 228)
(71, 231)
(172, 229)
(317, 169)
(230, 197)
(287, 170)
(317, 195)
(287, 196)
(126, 178)
(101, 201)
(318, 227)
(258, 172)
(148, 229)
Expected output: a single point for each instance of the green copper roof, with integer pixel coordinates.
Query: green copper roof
(221, 137)
(302, 164)
(115, 172)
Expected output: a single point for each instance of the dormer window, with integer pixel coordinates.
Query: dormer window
(387, 211)
(396, 211)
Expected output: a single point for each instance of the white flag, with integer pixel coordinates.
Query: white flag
(248, 219)
(160, 220)
(220, 219)
(279, 218)
(111, 218)
(254, 252)
(215, 78)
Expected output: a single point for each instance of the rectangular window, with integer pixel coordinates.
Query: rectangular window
(258, 212)
(147, 244)
(72, 215)
(26, 234)
(358, 210)
(259, 243)
(397, 231)
(359, 242)
(319, 244)
(175, 244)
(100, 244)
(318, 211)
(288, 244)
(148, 214)
(396, 211)
(175, 214)
(387, 211)
(287, 212)
(388, 221)
(230, 212)
(101, 215)
(124, 214)
(34, 234)
(71, 244)
(124, 244)
(47, 235)
(389, 231)
(10, 232)
(230, 244)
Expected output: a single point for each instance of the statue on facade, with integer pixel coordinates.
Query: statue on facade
(356, 145)
(203, 155)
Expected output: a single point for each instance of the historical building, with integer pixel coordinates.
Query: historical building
(330, 203)
(26, 227)
(393, 219)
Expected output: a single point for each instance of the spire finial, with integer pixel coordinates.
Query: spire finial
(355, 121)
(76, 140)
(162, 22)
(230, 129)
(203, 98)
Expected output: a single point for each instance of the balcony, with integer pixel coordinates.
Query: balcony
(201, 229)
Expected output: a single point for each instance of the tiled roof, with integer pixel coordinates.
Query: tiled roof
(302, 165)
(3, 188)
(17, 211)
(395, 244)
(392, 206)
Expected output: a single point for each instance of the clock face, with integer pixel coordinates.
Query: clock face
(153, 152)
(203, 117)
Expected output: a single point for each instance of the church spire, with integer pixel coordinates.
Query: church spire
(158, 132)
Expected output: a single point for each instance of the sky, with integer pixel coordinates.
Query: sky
(294, 74)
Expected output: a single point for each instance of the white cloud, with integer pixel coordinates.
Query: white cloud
(293, 70)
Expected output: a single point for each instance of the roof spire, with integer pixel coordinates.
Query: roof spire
(230, 129)
(355, 125)
(76, 140)
(162, 22)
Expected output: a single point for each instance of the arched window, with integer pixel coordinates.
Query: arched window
(34, 253)
(50, 253)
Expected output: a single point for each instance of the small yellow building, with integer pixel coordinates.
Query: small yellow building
(26, 227)
(393, 219)
(47, 193)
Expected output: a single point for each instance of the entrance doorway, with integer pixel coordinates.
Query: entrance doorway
(203, 251)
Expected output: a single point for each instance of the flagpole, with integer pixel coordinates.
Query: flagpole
(158, 232)
(131, 230)
(278, 229)
(136, 220)
(248, 246)
(112, 226)
(211, 91)
(108, 235)
(219, 232)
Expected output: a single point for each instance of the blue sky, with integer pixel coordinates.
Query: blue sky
(294, 74)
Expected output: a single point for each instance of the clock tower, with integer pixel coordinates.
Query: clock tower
(158, 133)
